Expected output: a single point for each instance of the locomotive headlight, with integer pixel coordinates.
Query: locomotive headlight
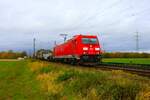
(85, 48)
(97, 49)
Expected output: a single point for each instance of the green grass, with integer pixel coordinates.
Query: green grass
(37, 80)
(73, 83)
(17, 82)
(128, 60)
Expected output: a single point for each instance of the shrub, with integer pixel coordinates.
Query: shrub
(11, 54)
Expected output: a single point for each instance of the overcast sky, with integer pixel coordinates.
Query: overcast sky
(114, 21)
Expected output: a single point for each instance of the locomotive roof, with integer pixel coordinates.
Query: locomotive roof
(76, 36)
(85, 35)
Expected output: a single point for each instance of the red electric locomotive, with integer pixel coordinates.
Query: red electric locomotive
(82, 49)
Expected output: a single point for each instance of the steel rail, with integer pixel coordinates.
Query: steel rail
(129, 68)
(132, 68)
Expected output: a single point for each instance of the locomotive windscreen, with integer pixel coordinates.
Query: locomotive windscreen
(89, 40)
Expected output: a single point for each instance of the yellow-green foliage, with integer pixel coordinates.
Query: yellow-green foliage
(72, 83)
(48, 83)
(46, 78)
(35, 66)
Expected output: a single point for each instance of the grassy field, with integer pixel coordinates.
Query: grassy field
(17, 82)
(128, 60)
(25, 80)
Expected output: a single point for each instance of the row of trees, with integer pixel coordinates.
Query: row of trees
(126, 55)
(12, 55)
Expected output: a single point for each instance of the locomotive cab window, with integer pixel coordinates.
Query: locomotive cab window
(89, 41)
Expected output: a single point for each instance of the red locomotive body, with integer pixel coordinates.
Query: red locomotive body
(79, 49)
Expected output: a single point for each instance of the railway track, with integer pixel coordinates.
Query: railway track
(135, 69)
(139, 69)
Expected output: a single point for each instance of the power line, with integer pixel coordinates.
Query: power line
(137, 41)
(124, 10)
(34, 47)
(100, 12)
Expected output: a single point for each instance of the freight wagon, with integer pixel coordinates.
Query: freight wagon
(44, 54)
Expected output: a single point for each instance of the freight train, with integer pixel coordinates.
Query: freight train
(43, 54)
(81, 49)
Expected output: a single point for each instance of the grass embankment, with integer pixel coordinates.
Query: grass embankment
(17, 82)
(128, 60)
(67, 83)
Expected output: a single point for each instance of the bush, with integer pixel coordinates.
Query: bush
(12, 55)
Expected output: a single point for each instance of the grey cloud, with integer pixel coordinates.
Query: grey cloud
(116, 22)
